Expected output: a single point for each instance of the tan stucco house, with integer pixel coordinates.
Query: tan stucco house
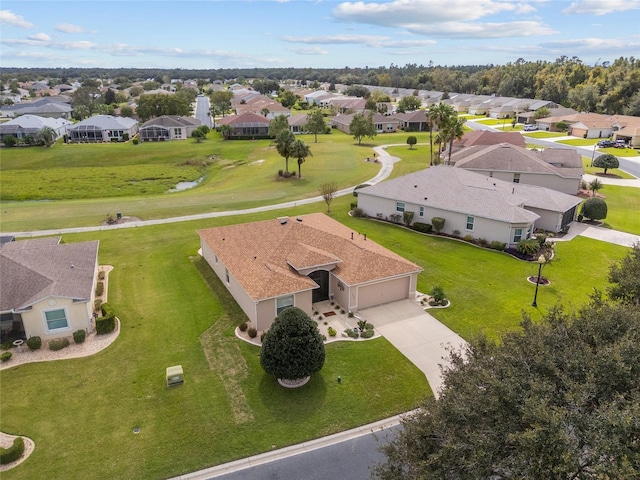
(47, 289)
(471, 203)
(274, 264)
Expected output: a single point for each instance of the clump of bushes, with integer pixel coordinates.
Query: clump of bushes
(79, 336)
(351, 333)
(6, 345)
(34, 343)
(438, 223)
(5, 356)
(101, 275)
(243, 326)
(438, 298)
(58, 344)
(422, 227)
(107, 322)
(358, 212)
(496, 245)
(13, 453)
(332, 332)
(97, 304)
(99, 289)
(253, 333)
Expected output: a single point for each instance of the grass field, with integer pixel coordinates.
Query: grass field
(544, 134)
(616, 173)
(580, 142)
(623, 205)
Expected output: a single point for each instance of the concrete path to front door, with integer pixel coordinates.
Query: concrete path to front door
(417, 335)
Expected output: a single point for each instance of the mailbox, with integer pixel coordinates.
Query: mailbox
(175, 376)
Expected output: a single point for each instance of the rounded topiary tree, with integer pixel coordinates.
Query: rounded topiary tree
(411, 141)
(606, 161)
(594, 209)
(293, 348)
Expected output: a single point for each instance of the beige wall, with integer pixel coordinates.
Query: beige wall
(551, 221)
(267, 312)
(569, 186)
(78, 316)
(383, 292)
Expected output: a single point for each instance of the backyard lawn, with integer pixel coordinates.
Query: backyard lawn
(623, 205)
(613, 172)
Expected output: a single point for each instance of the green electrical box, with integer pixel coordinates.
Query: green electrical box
(175, 376)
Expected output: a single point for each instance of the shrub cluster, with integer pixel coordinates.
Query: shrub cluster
(107, 322)
(332, 332)
(351, 333)
(101, 275)
(99, 289)
(97, 304)
(79, 336)
(13, 453)
(5, 356)
(368, 333)
(34, 343)
(496, 245)
(58, 344)
(253, 333)
(438, 223)
(422, 227)
(358, 212)
(243, 326)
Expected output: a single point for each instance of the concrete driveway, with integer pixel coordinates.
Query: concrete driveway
(417, 335)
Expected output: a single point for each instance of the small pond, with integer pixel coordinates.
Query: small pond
(185, 185)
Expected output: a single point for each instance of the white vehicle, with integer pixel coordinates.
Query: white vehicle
(530, 128)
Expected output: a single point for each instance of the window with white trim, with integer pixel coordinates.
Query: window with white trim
(470, 221)
(400, 206)
(282, 303)
(517, 235)
(56, 319)
(177, 133)
(516, 178)
(226, 275)
(421, 212)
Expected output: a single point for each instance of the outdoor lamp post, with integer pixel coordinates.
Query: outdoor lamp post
(541, 261)
(595, 147)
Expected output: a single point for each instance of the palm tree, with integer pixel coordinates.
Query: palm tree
(594, 186)
(284, 142)
(441, 114)
(453, 130)
(300, 150)
(47, 136)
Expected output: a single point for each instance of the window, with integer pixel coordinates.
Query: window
(177, 133)
(56, 319)
(516, 178)
(470, 221)
(400, 207)
(517, 235)
(529, 232)
(491, 174)
(283, 303)
(421, 212)
(226, 275)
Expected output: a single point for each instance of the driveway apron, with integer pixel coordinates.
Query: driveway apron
(417, 335)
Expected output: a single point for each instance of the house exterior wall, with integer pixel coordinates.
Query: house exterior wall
(551, 221)
(266, 311)
(482, 228)
(78, 315)
(383, 292)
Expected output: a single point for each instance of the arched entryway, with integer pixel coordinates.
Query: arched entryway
(321, 277)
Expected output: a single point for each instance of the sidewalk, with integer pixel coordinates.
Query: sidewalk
(621, 182)
(599, 233)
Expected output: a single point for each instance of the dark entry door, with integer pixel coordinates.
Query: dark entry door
(321, 277)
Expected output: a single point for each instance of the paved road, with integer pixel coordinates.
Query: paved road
(202, 110)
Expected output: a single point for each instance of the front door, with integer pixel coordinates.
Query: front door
(321, 277)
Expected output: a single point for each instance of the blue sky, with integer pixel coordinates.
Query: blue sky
(229, 34)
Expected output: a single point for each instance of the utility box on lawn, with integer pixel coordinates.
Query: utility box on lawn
(175, 376)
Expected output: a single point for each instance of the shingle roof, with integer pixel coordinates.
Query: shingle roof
(263, 256)
(246, 119)
(459, 190)
(478, 137)
(35, 269)
(106, 122)
(172, 121)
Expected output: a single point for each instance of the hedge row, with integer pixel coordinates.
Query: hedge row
(107, 322)
(13, 453)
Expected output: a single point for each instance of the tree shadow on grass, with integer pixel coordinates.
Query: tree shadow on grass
(292, 405)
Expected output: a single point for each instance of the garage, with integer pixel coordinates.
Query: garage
(383, 292)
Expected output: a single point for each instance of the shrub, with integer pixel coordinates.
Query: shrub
(438, 296)
(253, 333)
(541, 239)
(100, 275)
(527, 247)
(367, 334)
(6, 345)
(368, 326)
(243, 326)
(468, 238)
(79, 336)
(456, 233)
(106, 323)
(5, 356)
(58, 344)
(496, 245)
(9, 141)
(438, 224)
(358, 212)
(362, 325)
(395, 217)
(483, 242)
(135, 141)
(594, 209)
(606, 161)
(583, 184)
(13, 453)
(97, 304)
(99, 289)
(353, 205)
(332, 332)
(422, 227)
(407, 217)
(337, 307)
(34, 343)
(351, 333)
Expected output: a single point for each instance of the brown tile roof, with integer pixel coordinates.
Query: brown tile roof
(36, 269)
(244, 119)
(262, 256)
(478, 137)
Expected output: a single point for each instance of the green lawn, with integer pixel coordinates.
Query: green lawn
(621, 152)
(540, 134)
(612, 172)
(623, 206)
(580, 142)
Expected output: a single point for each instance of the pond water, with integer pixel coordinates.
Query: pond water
(185, 185)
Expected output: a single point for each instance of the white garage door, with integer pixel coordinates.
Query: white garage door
(383, 292)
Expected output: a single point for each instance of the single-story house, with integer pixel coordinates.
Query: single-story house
(413, 121)
(103, 128)
(383, 123)
(31, 125)
(274, 264)
(52, 107)
(168, 127)
(246, 126)
(555, 168)
(471, 204)
(47, 289)
(297, 123)
(478, 138)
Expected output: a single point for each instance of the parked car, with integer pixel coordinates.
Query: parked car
(619, 144)
(606, 143)
(530, 128)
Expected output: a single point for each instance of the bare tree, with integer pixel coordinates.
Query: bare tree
(328, 191)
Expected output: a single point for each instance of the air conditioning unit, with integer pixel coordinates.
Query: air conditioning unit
(175, 376)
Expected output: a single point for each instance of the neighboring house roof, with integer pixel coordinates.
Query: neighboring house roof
(105, 122)
(297, 120)
(412, 117)
(458, 190)
(32, 123)
(478, 137)
(245, 120)
(171, 121)
(263, 256)
(510, 158)
(36, 269)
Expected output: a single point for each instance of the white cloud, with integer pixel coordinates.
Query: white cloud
(69, 28)
(482, 30)
(9, 18)
(371, 40)
(40, 37)
(41, 42)
(604, 44)
(309, 51)
(600, 7)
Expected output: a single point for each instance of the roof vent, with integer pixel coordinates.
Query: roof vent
(299, 219)
(73, 266)
(283, 220)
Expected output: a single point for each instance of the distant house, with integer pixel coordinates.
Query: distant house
(47, 288)
(383, 124)
(471, 204)
(103, 128)
(555, 168)
(413, 121)
(596, 125)
(53, 107)
(297, 123)
(477, 138)
(246, 126)
(30, 125)
(168, 127)
(271, 265)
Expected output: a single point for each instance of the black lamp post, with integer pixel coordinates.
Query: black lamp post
(541, 261)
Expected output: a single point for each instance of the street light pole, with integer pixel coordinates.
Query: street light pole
(595, 147)
(535, 296)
